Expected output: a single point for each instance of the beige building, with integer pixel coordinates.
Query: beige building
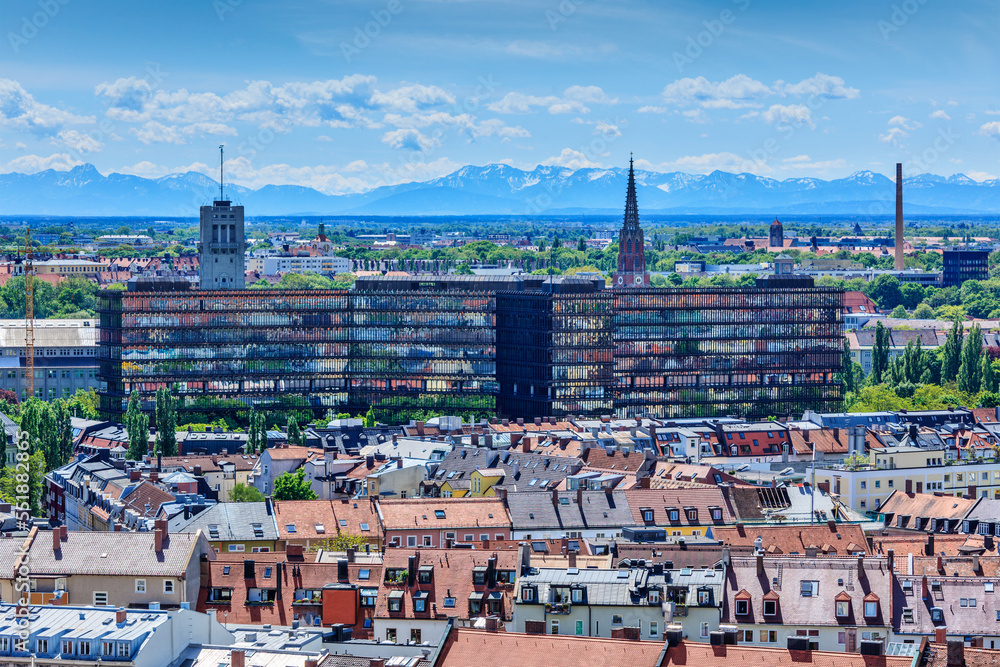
(119, 569)
(221, 471)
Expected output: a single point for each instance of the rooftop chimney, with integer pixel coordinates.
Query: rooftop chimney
(120, 616)
(898, 265)
(158, 540)
(237, 658)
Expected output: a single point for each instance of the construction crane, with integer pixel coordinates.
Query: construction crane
(29, 314)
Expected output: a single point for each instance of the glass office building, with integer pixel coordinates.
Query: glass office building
(770, 350)
(523, 346)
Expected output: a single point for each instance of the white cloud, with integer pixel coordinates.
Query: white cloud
(894, 136)
(496, 127)
(20, 111)
(323, 137)
(941, 115)
(821, 85)
(991, 129)
(981, 176)
(570, 159)
(411, 140)
(573, 100)
(153, 132)
(736, 92)
(78, 141)
(792, 114)
(903, 122)
(30, 164)
(550, 50)
(797, 158)
(797, 163)
(605, 129)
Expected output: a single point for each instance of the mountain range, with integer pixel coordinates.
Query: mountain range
(502, 190)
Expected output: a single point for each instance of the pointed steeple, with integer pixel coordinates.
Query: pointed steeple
(631, 203)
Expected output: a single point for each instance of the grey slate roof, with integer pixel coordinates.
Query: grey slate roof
(536, 511)
(234, 522)
(462, 461)
(111, 553)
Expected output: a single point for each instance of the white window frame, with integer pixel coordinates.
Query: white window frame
(101, 594)
(168, 586)
(140, 585)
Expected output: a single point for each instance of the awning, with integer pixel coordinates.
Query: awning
(369, 592)
(495, 595)
(476, 595)
(420, 595)
(394, 595)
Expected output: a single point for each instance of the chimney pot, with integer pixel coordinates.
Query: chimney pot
(237, 658)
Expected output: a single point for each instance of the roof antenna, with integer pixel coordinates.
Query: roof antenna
(222, 194)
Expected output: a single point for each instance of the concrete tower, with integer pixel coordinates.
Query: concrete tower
(898, 264)
(631, 244)
(222, 243)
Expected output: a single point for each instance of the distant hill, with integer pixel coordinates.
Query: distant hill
(500, 189)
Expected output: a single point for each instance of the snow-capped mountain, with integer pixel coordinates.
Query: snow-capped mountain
(500, 189)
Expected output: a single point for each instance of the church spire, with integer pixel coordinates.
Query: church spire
(631, 203)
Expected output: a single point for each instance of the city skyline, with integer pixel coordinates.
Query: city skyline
(344, 97)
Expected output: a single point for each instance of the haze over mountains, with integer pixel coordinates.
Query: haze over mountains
(500, 189)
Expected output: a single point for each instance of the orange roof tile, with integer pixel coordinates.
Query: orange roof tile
(466, 647)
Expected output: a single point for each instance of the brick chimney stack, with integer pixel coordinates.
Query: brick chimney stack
(237, 658)
(898, 264)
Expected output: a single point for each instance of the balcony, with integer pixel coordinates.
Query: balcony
(558, 608)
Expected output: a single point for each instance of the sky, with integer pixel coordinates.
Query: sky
(344, 96)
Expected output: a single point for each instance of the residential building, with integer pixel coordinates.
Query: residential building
(221, 473)
(596, 603)
(279, 264)
(726, 655)
(832, 603)
(233, 527)
(432, 522)
(591, 515)
(282, 588)
(314, 524)
(276, 461)
(65, 357)
(827, 539)
(862, 341)
(66, 635)
(108, 569)
(690, 512)
(424, 588)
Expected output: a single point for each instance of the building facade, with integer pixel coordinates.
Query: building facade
(65, 357)
(961, 264)
(222, 246)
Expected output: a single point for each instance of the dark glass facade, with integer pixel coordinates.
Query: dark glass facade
(752, 352)
(961, 264)
(516, 347)
(554, 353)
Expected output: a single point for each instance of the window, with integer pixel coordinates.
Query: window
(84, 648)
(809, 589)
(411, 540)
(576, 595)
(267, 572)
(427, 540)
(395, 603)
(864, 485)
(364, 575)
(770, 608)
(419, 604)
(907, 615)
(415, 635)
(616, 619)
(237, 548)
(390, 635)
(42, 645)
(449, 603)
(989, 586)
(483, 537)
(67, 648)
(654, 629)
(108, 649)
(674, 514)
(100, 598)
(704, 628)
(704, 598)
(654, 596)
(123, 649)
(467, 537)
(843, 609)
(369, 597)
(168, 586)
(871, 609)
(748, 636)
(554, 628)
(140, 585)
(742, 607)
(647, 515)
(769, 636)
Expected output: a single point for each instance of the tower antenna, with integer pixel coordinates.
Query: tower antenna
(222, 192)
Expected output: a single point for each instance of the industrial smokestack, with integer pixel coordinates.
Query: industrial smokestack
(899, 217)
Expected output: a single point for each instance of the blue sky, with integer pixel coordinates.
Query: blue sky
(344, 96)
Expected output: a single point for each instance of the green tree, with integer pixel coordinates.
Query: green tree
(899, 312)
(344, 541)
(242, 493)
(14, 487)
(257, 433)
(923, 312)
(987, 375)
(847, 368)
(878, 398)
(137, 427)
(884, 291)
(970, 369)
(581, 244)
(880, 354)
(166, 423)
(83, 403)
(464, 270)
(293, 486)
(951, 351)
(369, 419)
(292, 432)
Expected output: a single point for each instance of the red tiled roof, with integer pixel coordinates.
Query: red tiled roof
(601, 459)
(458, 513)
(706, 655)
(659, 500)
(795, 539)
(292, 452)
(466, 647)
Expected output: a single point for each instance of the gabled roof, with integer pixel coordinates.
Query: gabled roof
(795, 539)
(466, 647)
(928, 505)
(232, 522)
(415, 513)
(559, 510)
(660, 501)
(691, 654)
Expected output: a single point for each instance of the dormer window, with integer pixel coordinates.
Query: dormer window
(843, 608)
(479, 575)
(425, 574)
(704, 597)
(716, 513)
(654, 596)
(528, 593)
(673, 514)
(770, 607)
(647, 515)
(692, 514)
(871, 609)
(743, 607)
(576, 595)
